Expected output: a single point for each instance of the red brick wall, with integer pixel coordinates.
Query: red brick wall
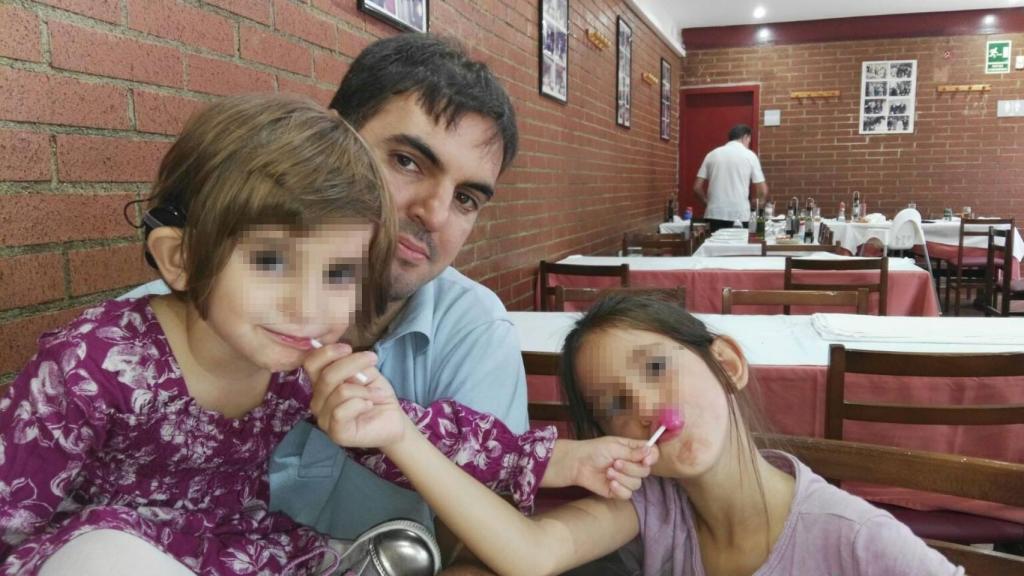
(959, 155)
(94, 91)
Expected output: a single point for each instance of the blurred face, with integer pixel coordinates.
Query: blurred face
(279, 290)
(628, 376)
(439, 179)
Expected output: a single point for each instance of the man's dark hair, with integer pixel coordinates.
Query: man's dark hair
(449, 85)
(739, 131)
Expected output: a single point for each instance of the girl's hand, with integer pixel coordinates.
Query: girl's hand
(353, 414)
(610, 466)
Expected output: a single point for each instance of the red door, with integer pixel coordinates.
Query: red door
(706, 115)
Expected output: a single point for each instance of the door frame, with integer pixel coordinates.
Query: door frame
(754, 89)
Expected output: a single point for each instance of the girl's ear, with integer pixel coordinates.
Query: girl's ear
(727, 352)
(165, 245)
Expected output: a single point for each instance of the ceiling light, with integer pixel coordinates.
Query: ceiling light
(989, 20)
(759, 12)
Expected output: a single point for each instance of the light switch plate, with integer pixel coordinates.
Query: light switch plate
(773, 117)
(1009, 108)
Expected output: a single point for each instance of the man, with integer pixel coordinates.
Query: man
(724, 179)
(443, 130)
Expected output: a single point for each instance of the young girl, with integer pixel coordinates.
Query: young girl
(138, 436)
(716, 504)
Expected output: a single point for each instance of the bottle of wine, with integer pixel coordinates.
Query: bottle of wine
(855, 207)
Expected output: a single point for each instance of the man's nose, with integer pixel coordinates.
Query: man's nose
(432, 207)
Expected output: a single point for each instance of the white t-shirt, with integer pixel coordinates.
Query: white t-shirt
(730, 170)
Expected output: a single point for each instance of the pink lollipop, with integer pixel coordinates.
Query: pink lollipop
(668, 419)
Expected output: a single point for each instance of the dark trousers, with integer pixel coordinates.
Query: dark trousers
(715, 225)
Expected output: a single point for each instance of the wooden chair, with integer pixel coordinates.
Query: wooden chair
(547, 412)
(841, 265)
(977, 478)
(1000, 287)
(851, 298)
(675, 295)
(547, 291)
(969, 271)
(766, 248)
(825, 235)
(545, 364)
(656, 244)
(957, 526)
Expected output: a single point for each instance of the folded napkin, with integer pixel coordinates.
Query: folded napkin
(875, 218)
(911, 329)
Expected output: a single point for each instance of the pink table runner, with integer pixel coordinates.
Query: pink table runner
(910, 291)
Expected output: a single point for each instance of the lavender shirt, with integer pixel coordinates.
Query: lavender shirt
(828, 532)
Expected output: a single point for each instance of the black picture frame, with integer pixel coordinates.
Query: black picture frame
(623, 73)
(666, 100)
(409, 22)
(553, 67)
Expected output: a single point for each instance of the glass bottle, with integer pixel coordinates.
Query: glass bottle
(855, 207)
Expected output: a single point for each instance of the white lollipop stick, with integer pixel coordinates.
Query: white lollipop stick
(363, 379)
(657, 434)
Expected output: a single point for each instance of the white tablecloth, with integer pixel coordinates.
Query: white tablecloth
(851, 235)
(796, 340)
(664, 263)
(674, 227)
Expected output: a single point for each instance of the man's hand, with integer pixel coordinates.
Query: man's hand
(611, 467)
(351, 413)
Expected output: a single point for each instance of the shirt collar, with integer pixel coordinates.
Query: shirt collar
(416, 317)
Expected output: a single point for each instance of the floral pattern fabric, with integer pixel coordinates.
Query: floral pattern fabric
(99, 432)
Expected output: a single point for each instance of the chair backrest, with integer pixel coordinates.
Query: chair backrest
(841, 265)
(842, 362)
(903, 235)
(978, 227)
(766, 248)
(851, 298)
(825, 235)
(547, 291)
(545, 364)
(675, 295)
(656, 244)
(976, 478)
(999, 271)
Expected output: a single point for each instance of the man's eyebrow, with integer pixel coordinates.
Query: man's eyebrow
(419, 145)
(424, 149)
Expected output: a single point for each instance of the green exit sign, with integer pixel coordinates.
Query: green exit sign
(997, 57)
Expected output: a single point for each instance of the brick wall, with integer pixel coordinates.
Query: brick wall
(94, 91)
(959, 155)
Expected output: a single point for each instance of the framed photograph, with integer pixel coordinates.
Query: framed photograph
(554, 49)
(411, 15)
(887, 96)
(624, 73)
(666, 100)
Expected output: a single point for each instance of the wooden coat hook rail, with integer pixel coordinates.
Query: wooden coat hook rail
(815, 94)
(964, 88)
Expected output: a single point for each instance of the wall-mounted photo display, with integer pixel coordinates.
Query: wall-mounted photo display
(625, 73)
(666, 100)
(411, 15)
(554, 49)
(887, 96)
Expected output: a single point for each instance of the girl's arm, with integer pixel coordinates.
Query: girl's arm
(478, 443)
(47, 431)
(507, 541)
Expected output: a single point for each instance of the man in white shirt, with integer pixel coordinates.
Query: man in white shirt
(724, 179)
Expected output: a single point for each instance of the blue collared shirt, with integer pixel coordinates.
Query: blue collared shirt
(453, 339)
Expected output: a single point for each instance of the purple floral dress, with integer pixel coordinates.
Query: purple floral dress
(99, 432)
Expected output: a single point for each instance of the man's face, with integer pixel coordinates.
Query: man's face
(439, 179)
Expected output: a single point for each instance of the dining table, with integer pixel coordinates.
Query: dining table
(910, 289)
(789, 357)
(941, 236)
